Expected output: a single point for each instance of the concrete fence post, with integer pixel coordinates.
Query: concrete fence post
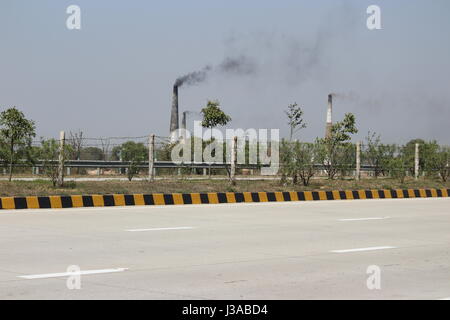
(151, 158)
(62, 142)
(233, 161)
(358, 161)
(121, 160)
(416, 162)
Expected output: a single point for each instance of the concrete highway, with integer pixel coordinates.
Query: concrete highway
(302, 250)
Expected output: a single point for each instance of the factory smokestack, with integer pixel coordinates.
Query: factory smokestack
(329, 116)
(174, 125)
(183, 124)
(183, 120)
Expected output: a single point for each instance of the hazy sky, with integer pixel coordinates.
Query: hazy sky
(114, 77)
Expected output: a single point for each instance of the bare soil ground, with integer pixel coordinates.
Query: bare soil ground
(41, 187)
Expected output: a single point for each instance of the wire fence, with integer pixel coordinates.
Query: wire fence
(117, 156)
(113, 156)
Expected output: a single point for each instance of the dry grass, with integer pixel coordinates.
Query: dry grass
(40, 188)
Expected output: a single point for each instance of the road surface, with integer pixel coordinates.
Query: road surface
(302, 250)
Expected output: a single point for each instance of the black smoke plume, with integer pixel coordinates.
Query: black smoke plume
(237, 66)
(193, 77)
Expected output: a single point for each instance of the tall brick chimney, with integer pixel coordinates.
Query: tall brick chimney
(329, 124)
(174, 124)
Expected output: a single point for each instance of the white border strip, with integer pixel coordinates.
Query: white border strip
(159, 229)
(364, 219)
(362, 249)
(68, 274)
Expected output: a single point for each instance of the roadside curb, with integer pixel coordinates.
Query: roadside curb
(79, 201)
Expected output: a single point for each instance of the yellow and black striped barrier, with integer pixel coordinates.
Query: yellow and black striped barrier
(79, 201)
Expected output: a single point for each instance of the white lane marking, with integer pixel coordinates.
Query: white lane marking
(364, 219)
(362, 249)
(160, 229)
(68, 274)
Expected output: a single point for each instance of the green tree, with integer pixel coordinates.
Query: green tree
(427, 156)
(305, 157)
(135, 154)
(346, 158)
(409, 151)
(398, 166)
(3, 153)
(17, 133)
(287, 161)
(91, 153)
(427, 152)
(298, 161)
(76, 142)
(48, 153)
(377, 154)
(387, 152)
(213, 116)
(295, 119)
(440, 163)
(332, 149)
(164, 152)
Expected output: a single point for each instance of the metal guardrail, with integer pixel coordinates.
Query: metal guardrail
(160, 164)
(126, 164)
